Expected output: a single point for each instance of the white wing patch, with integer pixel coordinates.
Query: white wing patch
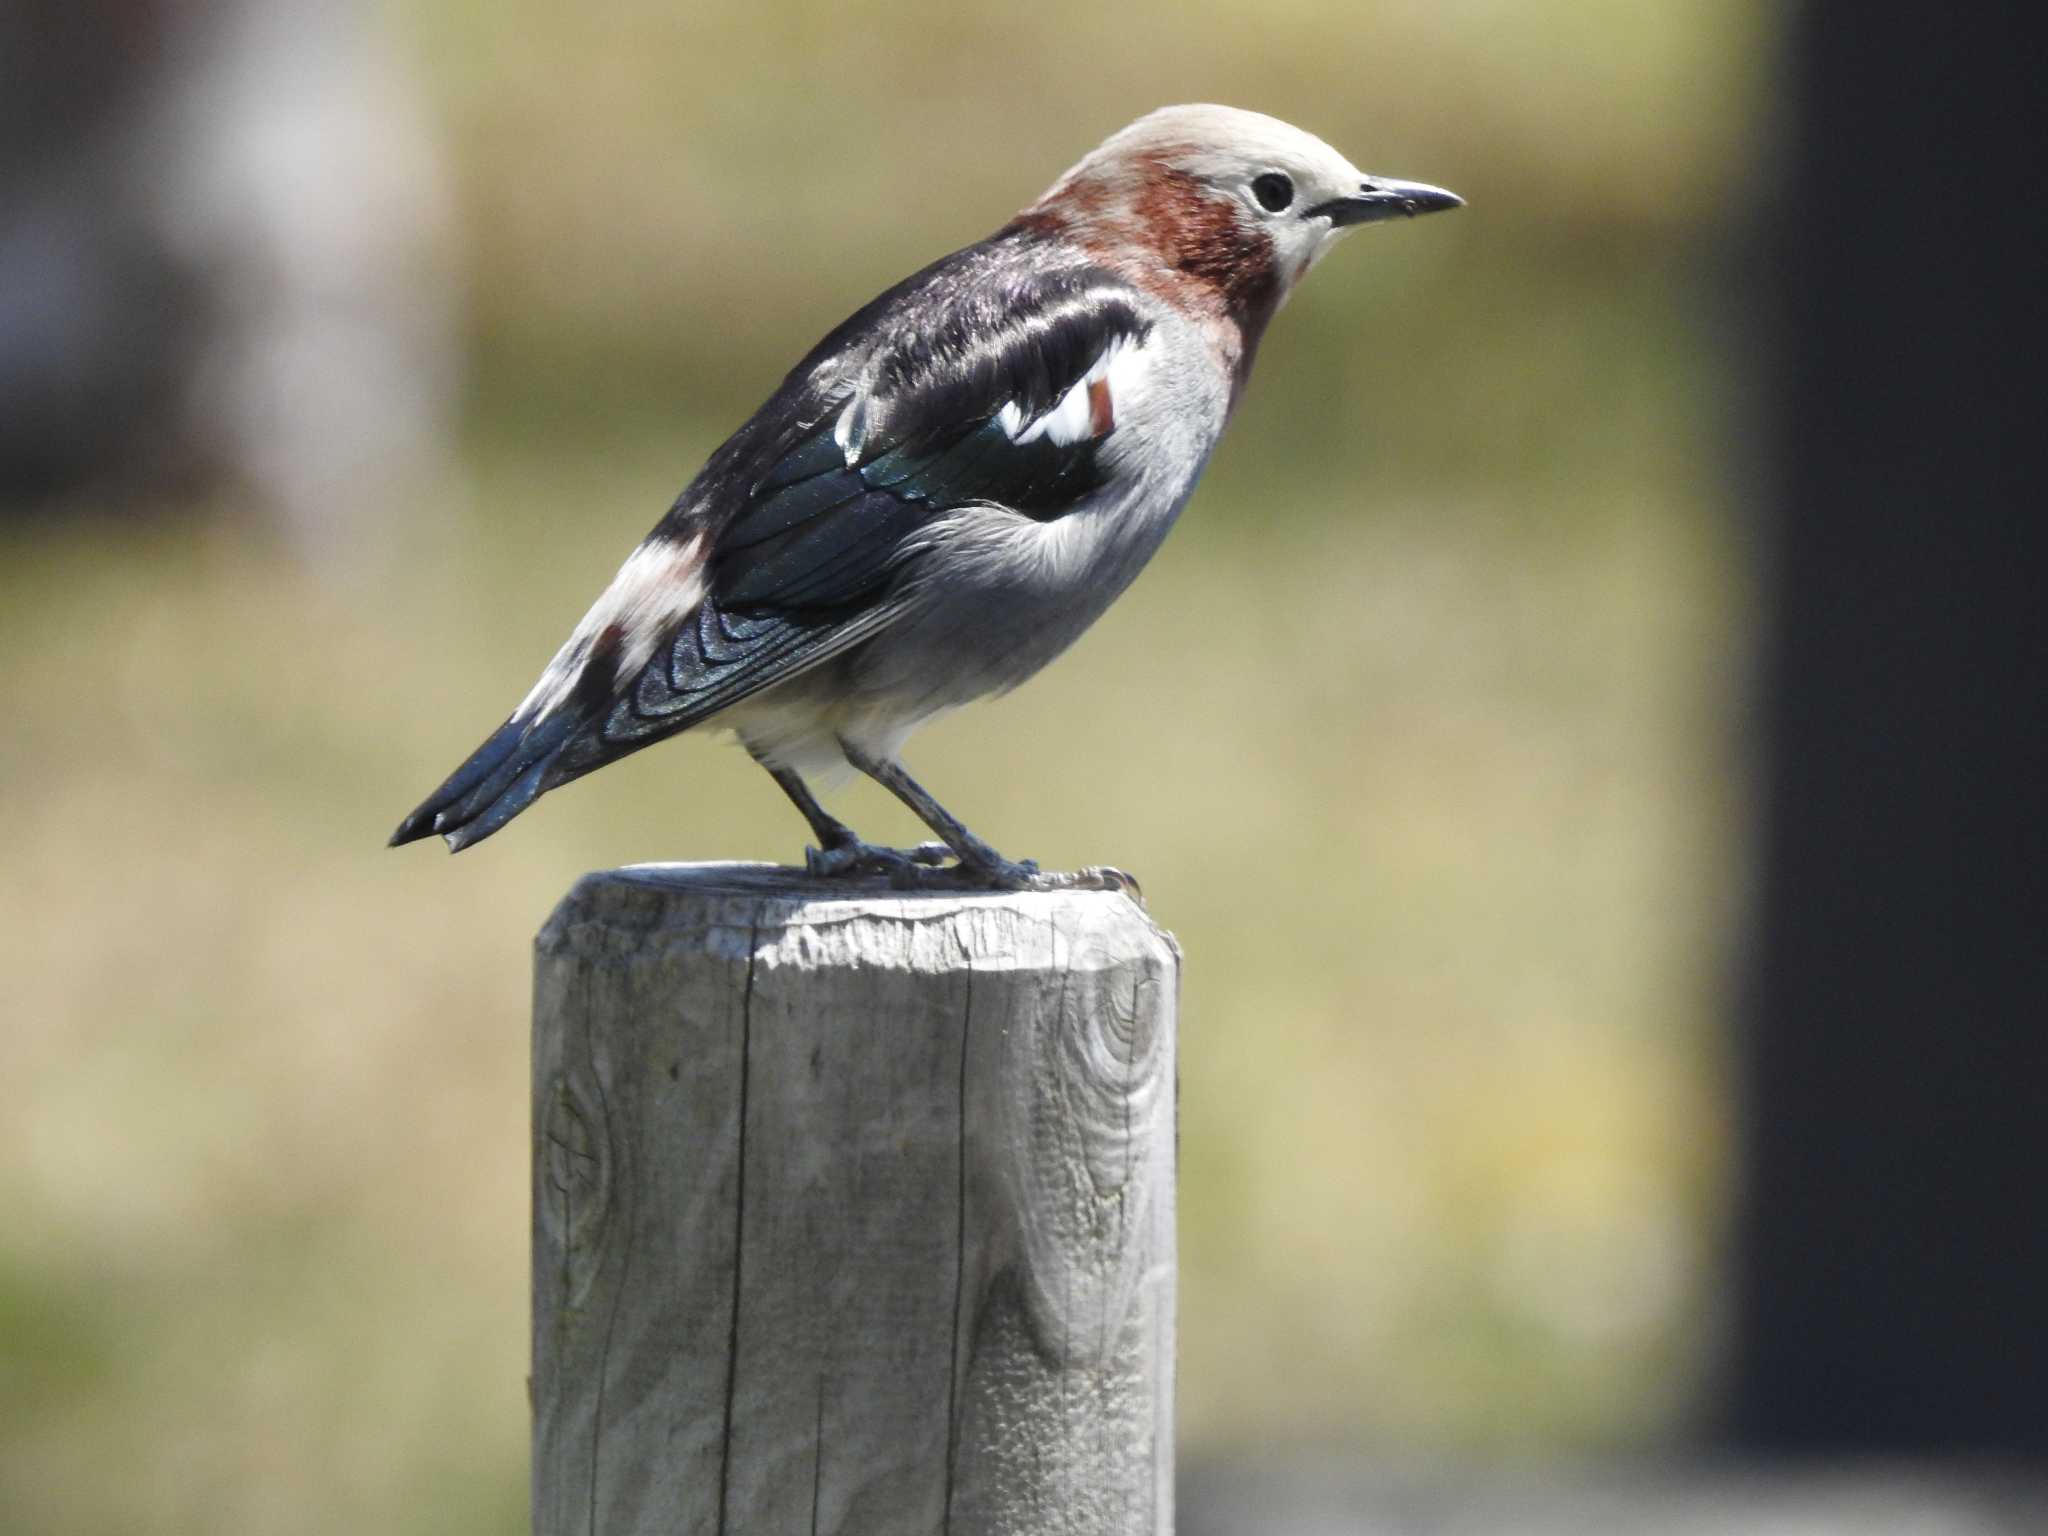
(851, 431)
(657, 588)
(1086, 411)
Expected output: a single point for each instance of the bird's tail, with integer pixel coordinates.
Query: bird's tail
(501, 778)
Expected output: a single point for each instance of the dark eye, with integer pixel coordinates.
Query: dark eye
(1273, 190)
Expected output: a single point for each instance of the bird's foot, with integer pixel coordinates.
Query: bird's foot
(857, 858)
(932, 867)
(1107, 877)
(1001, 874)
(1094, 877)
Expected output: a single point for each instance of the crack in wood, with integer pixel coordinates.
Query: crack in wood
(818, 1454)
(604, 1357)
(739, 1227)
(954, 1364)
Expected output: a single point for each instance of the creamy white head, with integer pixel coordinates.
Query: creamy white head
(1232, 207)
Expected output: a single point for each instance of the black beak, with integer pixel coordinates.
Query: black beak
(1382, 197)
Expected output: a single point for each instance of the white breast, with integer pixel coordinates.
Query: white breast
(1171, 396)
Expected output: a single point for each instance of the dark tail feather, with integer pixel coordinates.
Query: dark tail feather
(501, 778)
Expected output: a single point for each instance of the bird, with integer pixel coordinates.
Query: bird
(946, 491)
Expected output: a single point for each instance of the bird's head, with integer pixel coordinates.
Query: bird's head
(1220, 209)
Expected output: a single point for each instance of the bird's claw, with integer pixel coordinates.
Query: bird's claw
(1025, 875)
(1094, 877)
(927, 867)
(858, 858)
(1107, 877)
(1000, 874)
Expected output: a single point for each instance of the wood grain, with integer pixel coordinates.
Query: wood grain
(853, 1209)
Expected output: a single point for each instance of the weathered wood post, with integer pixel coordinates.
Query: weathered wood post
(853, 1209)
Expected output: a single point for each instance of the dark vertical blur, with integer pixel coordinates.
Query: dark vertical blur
(98, 317)
(1893, 1256)
(223, 262)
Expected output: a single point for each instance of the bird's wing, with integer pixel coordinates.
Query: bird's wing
(964, 388)
(990, 377)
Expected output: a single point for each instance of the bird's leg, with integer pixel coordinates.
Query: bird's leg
(978, 861)
(840, 850)
(974, 854)
(829, 830)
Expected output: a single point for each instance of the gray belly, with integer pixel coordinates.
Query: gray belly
(1000, 595)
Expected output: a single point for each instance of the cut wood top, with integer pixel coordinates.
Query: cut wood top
(646, 897)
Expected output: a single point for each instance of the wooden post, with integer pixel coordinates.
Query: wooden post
(853, 1209)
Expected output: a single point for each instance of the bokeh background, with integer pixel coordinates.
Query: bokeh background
(346, 352)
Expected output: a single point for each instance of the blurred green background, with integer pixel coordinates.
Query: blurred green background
(1421, 733)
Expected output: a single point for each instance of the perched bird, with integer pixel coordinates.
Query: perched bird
(948, 490)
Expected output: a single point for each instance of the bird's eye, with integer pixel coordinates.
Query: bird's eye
(1274, 190)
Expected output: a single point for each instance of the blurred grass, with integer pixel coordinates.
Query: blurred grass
(1419, 732)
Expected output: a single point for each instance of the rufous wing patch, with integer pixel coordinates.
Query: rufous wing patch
(1101, 408)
